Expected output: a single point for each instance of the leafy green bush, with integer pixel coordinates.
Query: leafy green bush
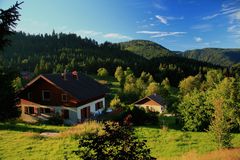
(140, 116)
(118, 142)
(55, 120)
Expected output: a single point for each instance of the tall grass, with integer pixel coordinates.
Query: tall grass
(82, 129)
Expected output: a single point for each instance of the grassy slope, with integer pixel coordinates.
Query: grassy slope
(22, 141)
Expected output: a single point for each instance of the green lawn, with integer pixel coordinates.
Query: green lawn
(172, 143)
(22, 141)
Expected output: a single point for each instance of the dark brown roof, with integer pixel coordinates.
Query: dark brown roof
(82, 88)
(155, 97)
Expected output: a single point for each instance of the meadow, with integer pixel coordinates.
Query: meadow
(23, 141)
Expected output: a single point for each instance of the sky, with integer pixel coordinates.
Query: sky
(175, 24)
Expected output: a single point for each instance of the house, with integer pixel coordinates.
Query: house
(74, 96)
(154, 103)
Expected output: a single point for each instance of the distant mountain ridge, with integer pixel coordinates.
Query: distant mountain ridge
(219, 56)
(145, 48)
(149, 50)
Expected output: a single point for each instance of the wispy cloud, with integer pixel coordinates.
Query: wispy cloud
(162, 19)
(202, 27)
(235, 31)
(116, 36)
(157, 34)
(227, 9)
(159, 6)
(88, 33)
(175, 18)
(198, 39)
(235, 17)
(211, 16)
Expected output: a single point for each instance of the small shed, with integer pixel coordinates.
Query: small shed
(154, 103)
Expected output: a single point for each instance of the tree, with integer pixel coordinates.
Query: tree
(213, 78)
(189, 83)
(17, 84)
(102, 72)
(8, 107)
(152, 88)
(115, 102)
(119, 74)
(118, 142)
(194, 113)
(166, 84)
(8, 19)
(220, 126)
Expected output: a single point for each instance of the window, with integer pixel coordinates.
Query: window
(64, 98)
(45, 95)
(98, 105)
(45, 110)
(29, 95)
(29, 110)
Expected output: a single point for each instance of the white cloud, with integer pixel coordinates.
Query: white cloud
(198, 39)
(165, 34)
(148, 32)
(227, 9)
(235, 30)
(235, 17)
(88, 33)
(162, 19)
(116, 36)
(175, 18)
(211, 16)
(157, 34)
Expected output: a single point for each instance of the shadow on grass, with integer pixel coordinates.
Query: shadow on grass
(22, 127)
(166, 122)
(185, 140)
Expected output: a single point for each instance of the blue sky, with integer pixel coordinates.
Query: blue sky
(175, 24)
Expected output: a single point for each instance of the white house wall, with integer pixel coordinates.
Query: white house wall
(92, 107)
(155, 108)
(74, 113)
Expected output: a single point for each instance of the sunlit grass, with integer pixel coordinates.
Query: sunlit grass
(23, 141)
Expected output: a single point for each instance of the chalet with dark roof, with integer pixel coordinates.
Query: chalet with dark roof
(74, 96)
(154, 103)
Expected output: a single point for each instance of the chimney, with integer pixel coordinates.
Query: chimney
(64, 74)
(75, 74)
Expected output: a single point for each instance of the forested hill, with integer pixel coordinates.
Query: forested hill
(52, 53)
(224, 57)
(147, 49)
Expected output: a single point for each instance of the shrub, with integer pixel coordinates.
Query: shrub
(140, 116)
(102, 72)
(118, 142)
(55, 120)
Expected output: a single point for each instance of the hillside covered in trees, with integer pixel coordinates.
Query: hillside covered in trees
(219, 56)
(147, 49)
(52, 53)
